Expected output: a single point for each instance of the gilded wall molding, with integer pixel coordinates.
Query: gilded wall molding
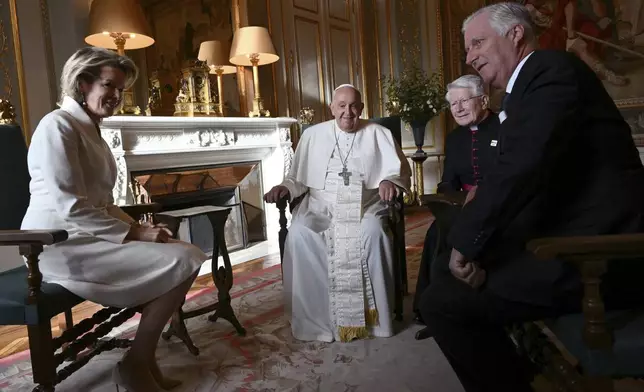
(408, 32)
(269, 20)
(363, 68)
(439, 41)
(376, 20)
(241, 74)
(7, 85)
(388, 17)
(20, 71)
(49, 52)
(288, 63)
(409, 37)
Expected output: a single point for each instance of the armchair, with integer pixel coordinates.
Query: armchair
(604, 345)
(26, 300)
(396, 225)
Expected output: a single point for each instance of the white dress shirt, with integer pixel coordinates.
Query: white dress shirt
(513, 79)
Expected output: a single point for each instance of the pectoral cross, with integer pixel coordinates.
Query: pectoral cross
(345, 174)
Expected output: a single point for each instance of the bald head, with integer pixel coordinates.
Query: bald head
(346, 107)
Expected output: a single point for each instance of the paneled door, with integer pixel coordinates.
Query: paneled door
(323, 51)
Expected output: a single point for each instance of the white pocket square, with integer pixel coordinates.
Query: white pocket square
(502, 116)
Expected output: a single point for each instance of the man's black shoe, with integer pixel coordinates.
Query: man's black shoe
(423, 334)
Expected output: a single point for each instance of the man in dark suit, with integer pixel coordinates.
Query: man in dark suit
(470, 151)
(567, 165)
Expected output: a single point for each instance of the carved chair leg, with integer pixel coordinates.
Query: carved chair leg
(42, 356)
(398, 286)
(281, 205)
(69, 324)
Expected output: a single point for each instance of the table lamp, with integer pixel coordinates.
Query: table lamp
(216, 54)
(252, 46)
(120, 25)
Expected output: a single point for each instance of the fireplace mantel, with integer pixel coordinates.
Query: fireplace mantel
(151, 142)
(141, 143)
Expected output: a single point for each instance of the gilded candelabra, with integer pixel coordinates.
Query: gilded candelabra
(154, 94)
(216, 54)
(195, 97)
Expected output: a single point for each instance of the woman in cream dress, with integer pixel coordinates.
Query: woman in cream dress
(109, 258)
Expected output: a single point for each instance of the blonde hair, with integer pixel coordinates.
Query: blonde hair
(86, 64)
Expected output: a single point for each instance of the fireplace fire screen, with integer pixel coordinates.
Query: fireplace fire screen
(237, 186)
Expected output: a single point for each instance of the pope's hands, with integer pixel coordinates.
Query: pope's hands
(466, 271)
(276, 194)
(387, 191)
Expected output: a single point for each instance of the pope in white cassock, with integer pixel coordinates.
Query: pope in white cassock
(338, 261)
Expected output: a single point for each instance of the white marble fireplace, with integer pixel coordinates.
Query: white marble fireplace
(142, 143)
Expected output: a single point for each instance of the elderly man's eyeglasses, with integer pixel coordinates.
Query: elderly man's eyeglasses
(464, 102)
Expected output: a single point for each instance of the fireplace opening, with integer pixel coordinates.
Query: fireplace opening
(238, 186)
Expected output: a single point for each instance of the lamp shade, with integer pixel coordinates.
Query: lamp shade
(118, 16)
(215, 54)
(252, 40)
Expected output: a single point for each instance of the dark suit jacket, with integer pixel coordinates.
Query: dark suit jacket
(567, 165)
(463, 150)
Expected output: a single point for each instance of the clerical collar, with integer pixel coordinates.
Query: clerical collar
(515, 74)
(475, 127)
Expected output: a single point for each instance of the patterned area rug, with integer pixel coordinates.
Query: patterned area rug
(268, 358)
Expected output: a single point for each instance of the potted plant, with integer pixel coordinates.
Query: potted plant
(417, 98)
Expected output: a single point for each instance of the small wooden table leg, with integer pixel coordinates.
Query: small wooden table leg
(178, 328)
(223, 276)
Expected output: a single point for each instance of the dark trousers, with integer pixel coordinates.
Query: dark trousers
(469, 327)
(429, 249)
(435, 244)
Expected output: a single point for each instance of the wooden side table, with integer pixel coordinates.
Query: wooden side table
(222, 276)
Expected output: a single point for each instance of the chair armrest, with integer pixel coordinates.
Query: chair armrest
(456, 199)
(590, 255)
(31, 237)
(281, 206)
(137, 210)
(31, 243)
(582, 248)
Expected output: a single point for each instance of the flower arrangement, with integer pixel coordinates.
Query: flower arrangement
(414, 96)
